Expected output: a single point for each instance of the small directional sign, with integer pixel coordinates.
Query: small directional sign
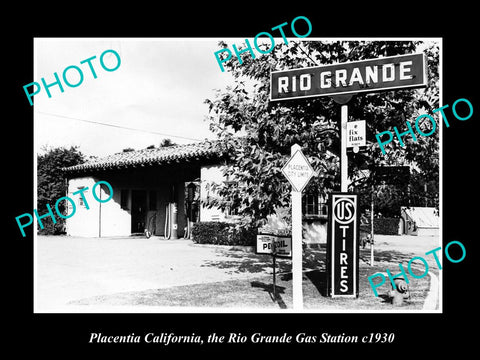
(356, 138)
(298, 171)
(356, 133)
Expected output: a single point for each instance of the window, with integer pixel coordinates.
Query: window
(152, 200)
(313, 205)
(310, 204)
(124, 199)
(230, 210)
(81, 195)
(323, 209)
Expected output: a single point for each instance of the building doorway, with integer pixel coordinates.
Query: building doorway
(139, 210)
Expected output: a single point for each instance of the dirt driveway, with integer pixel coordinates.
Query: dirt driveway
(72, 268)
(69, 269)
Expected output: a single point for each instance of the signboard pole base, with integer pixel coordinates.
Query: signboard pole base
(297, 251)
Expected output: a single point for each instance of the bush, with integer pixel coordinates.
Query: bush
(386, 226)
(51, 184)
(49, 228)
(223, 233)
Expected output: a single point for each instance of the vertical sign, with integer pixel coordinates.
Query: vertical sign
(342, 246)
(356, 134)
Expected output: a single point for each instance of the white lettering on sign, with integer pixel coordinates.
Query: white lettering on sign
(342, 77)
(344, 211)
(404, 70)
(283, 84)
(305, 85)
(343, 264)
(343, 243)
(388, 72)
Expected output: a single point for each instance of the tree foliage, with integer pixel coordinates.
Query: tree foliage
(51, 184)
(166, 143)
(257, 134)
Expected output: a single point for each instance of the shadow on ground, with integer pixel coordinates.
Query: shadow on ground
(246, 294)
(275, 296)
(242, 262)
(316, 296)
(319, 280)
(393, 256)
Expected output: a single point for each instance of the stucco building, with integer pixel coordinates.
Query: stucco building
(162, 189)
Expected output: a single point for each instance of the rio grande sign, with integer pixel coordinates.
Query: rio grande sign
(386, 73)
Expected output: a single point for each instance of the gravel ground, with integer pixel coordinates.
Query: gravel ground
(73, 272)
(71, 268)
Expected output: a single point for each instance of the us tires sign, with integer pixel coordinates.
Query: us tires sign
(342, 246)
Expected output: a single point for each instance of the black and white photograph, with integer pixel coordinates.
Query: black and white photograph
(172, 186)
(254, 182)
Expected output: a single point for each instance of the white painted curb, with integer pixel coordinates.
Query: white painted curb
(432, 297)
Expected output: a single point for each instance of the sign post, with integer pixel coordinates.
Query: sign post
(298, 172)
(340, 81)
(274, 256)
(343, 150)
(372, 236)
(275, 245)
(297, 258)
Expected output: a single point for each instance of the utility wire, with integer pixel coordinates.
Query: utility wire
(118, 126)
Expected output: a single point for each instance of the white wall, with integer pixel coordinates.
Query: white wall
(85, 222)
(314, 232)
(115, 220)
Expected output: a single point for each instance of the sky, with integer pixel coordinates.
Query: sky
(157, 92)
(160, 87)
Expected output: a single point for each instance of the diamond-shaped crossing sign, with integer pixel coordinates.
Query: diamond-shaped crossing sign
(298, 171)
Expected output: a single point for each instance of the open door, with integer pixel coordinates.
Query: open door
(139, 210)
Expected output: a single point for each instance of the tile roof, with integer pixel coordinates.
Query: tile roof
(149, 157)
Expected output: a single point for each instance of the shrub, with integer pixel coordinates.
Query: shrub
(386, 226)
(223, 233)
(51, 183)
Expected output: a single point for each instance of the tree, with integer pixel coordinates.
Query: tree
(256, 186)
(51, 184)
(167, 142)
